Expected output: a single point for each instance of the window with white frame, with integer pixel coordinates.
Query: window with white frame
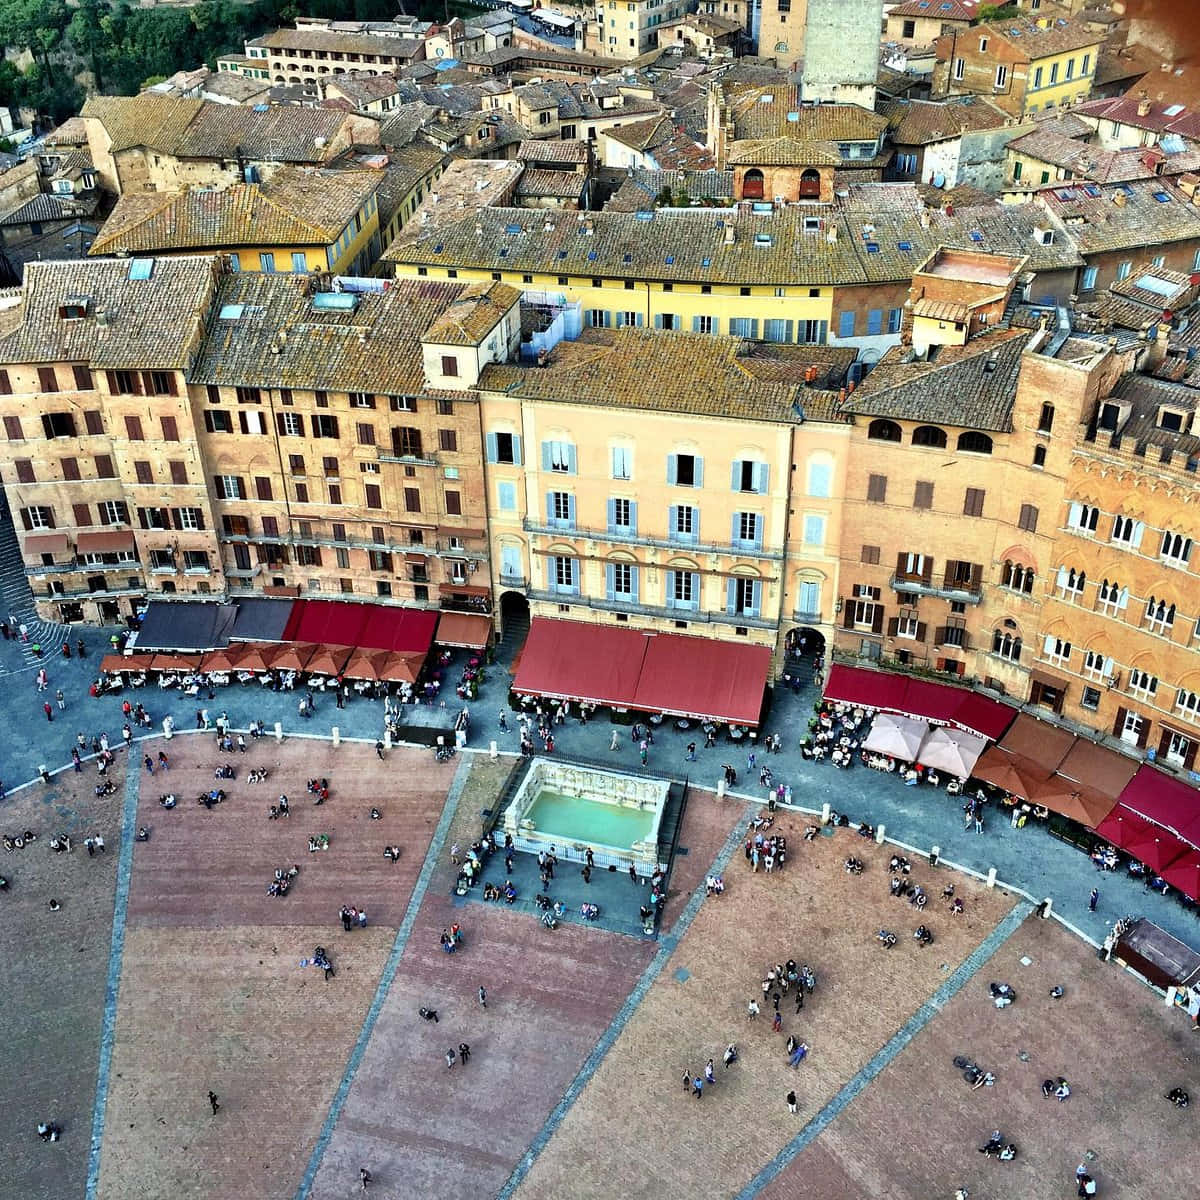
(1176, 549)
(1112, 598)
(290, 424)
(1188, 702)
(1142, 683)
(747, 529)
(682, 589)
(1097, 664)
(684, 522)
(560, 509)
(1160, 616)
(622, 462)
(744, 597)
(563, 573)
(1128, 532)
(906, 627)
(1006, 645)
(1056, 649)
(808, 598)
(621, 579)
(1071, 582)
(1082, 518)
(114, 512)
(189, 518)
(1001, 75)
(558, 457)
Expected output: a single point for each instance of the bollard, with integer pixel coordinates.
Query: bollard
(1044, 908)
(879, 834)
(168, 728)
(279, 731)
(387, 739)
(825, 810)
(991, 879)
(337, 735)
(720, 789)
(493, 752)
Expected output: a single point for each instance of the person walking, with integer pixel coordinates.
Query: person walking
(644, 752)
(379, 750)
(149, 764)
(76, 761)
(464, 1053)
(212, 1100)
(709, 1074)
(1092, 899)
(777, 1022)
(698, 1087)
(162, 761)
(791, 1102)
(482, 996)
(364, 1177)
(691, 752)
(449, 1059)
(752, 1010)
(48, 711)
(616, 738)
(60, 700)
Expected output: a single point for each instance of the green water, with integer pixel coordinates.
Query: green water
(574, 819)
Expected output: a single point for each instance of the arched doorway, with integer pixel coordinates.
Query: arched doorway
(752, 184)
(810, 185)
(514, 620)
(805, 642)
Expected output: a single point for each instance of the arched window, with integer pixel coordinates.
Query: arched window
(810, 185)
(1071, 582)
(1039, 456)
(1017, 577)
(1006, 645)
(975, 443)
(752, 184)
(883, 431)
(929, 435)
(1160, 615)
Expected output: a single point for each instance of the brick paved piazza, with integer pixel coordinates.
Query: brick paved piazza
(573, 1088)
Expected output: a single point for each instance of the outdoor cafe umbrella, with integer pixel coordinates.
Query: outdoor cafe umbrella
(366, 664)
(1184, 874)
(896, 736)
(951, 750)
(1014, 774)
(223, 660)
(1071, 799)
(402, 668)
(1158, 848)
(293, 657)
(327, 660)
(256, 656)
(112, 664)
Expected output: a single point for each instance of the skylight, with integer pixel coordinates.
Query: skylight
(231, 312)
(1162, 197)
(141, 268)
(976, 236)
(1173, 111)
(904, 246)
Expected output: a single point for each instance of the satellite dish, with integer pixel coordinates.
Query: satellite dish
(939, 181)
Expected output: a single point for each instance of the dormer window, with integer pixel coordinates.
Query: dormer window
(73, 308)
(1171, 419)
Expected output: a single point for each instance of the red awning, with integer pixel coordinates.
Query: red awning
(105, 541)
(704, 678)
(1149, 843)
(1184, 874)
(569, 660)
(373, 626)
(656, 672)
(1169, 802)
(871, 689)
(47, 543)
(471, 630)
(921, 698)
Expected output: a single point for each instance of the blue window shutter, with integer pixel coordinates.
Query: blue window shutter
(612, 515)
(574, 574)
(759, 522)
(571, 511)
(640, 320)
(762, 473)
(846, 324)
(822, 333)
(695, 524)
(875, 320)
(633, 516)
(735, 475)
(550, 509)
(492, 452)
(610, 581)
(633, 584)
(672, 468)
(894, 316)
(516, 442)
(733, 536)
(572, 462)
(699, 471)
(672, 519)
(694, 602)
(670, 597)
(546, 457)
(788, 329)
(731, 595)
(756, 598)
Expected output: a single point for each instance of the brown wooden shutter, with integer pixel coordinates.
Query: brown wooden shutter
(893, 626)
(133, 428)
(1119, 723)
(25, 521)
(81, 514)
(170, 429)
(262, 487)
(1189, 755)
(848, 615)
(178, 471)
(1143, 734)
(877, 620)
(12, 429)
(25, 470)
(921, 631)
(94, 421)
(144, 472)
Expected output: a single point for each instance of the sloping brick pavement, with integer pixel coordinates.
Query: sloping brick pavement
(914, 1132)
(54, 967)
(634, 1131)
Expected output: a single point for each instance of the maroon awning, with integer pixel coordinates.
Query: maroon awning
(373, 626)
(871, 689)
(1149, 843)
(470, 630)
(1168, 801)
(668, 673)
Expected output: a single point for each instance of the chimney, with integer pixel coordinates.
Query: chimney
(832, 235)
(1119, 199)
(1143, 108)
(730, 234)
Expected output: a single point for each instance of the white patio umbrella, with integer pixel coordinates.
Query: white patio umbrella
(896, 736)
(951, 750)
